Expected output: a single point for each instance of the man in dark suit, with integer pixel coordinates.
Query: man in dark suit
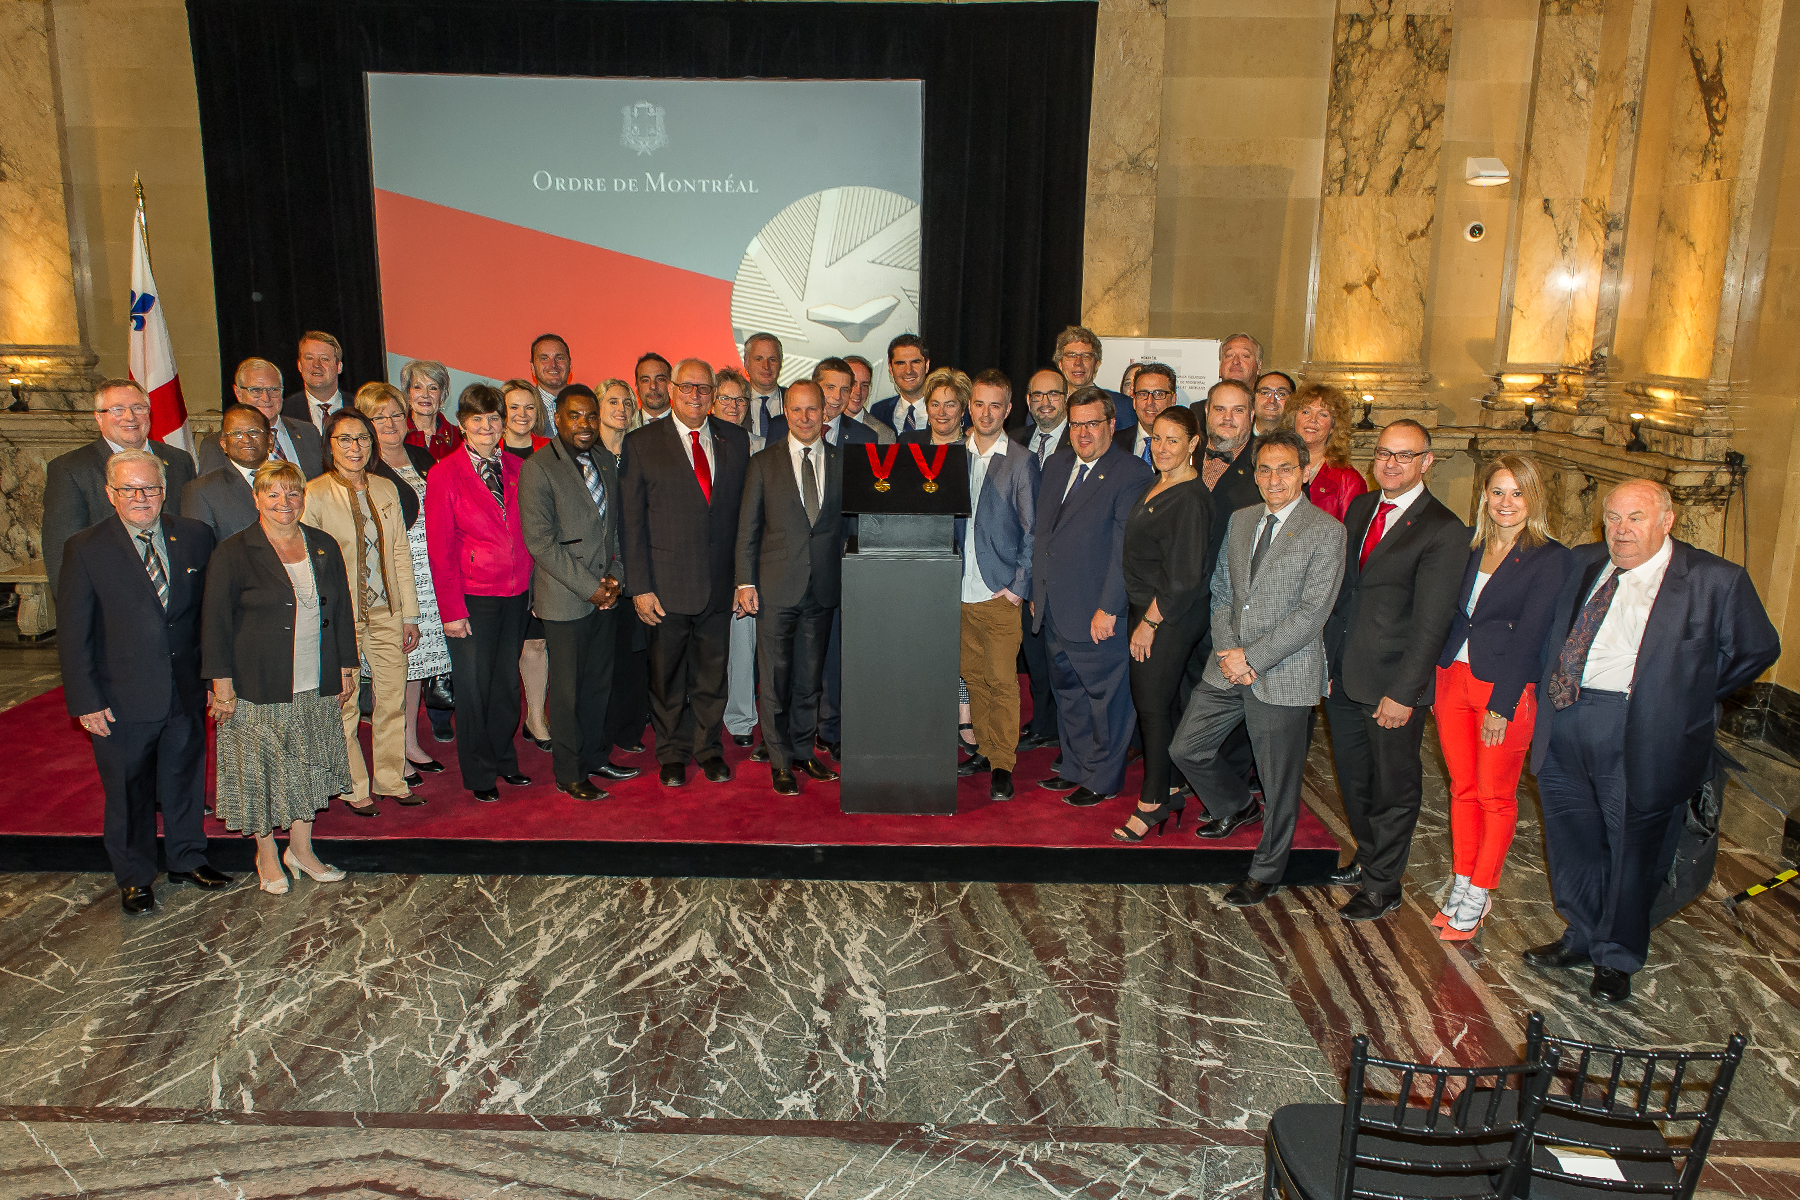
(1403, 565)
(1047, 398)
(75, 494)
(321, 363)
(569, 508)
(1078, 597)
(1152, 390)
(1649, 635)
(908, 363)
(225, 498)
(762, 367)
(129, 640)
(790, 554)
(837, 384)
(291, 439)
(1077, 355)
(684, 481)
(857, 408)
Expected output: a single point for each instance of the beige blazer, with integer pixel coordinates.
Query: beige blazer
(328, 510)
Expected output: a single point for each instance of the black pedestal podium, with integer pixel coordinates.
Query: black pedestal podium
(902, 620)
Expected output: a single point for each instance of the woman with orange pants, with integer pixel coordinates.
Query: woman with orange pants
(1486, 702)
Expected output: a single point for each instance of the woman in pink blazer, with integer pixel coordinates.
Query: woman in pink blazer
(481, 572)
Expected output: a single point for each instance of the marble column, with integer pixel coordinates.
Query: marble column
(43, 345)
(1124, 134)
(1372, 251)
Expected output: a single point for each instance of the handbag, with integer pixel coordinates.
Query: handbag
(439, 692)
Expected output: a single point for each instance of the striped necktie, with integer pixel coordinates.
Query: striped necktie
(590, 475)
(490, 475)
(910, 425)
(153, 564)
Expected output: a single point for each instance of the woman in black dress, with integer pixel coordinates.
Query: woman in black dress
(1168, 605)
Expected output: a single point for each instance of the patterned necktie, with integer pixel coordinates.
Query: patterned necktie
(275, 451)
(153, 563)
(1042, 438)
(1565, 681)
(324, 411)
(590, 475)
(702, 468)
(909, 426)
(1262, 544)
(490, 475)
(809, 486)
(1376, 528)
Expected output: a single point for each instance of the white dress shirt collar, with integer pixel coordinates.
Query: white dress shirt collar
(249, 476)
(1286, 510)
(818, 465)
(1612, 658)
(1402, 502)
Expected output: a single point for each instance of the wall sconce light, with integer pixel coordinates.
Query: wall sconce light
(1486, 172)
(1637, 445)
(18, 404)
(1530, 425)
(1368, 405)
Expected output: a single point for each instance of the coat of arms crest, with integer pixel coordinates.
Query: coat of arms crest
(643, 130)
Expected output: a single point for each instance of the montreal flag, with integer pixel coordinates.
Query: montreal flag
(152, 358)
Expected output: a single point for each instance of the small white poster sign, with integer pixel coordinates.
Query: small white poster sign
(1196, 361)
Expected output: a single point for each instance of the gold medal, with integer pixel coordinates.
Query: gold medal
(931, 485)
(882, 485)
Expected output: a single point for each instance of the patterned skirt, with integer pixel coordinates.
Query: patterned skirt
(280, 763)
(432, 655)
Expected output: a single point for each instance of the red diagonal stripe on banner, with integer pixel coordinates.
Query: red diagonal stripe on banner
(473, 292)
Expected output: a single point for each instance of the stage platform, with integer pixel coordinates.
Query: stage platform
(51, 821)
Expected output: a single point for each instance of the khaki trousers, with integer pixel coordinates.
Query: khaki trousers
(378, 637)
(990, 651)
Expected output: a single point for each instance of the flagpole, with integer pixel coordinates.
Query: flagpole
(137, 184)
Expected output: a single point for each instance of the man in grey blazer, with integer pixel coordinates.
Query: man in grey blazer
(258, 384)
(995, 542)
(569, 508)
(1275, 583)
(75, 483)
(790, 556)
(225, 498)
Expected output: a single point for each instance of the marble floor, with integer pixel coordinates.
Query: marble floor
(463, 1036)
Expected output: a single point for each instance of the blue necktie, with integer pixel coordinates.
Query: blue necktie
(909, 426)
(1147, 451)
(762, 410)
(1080, 474)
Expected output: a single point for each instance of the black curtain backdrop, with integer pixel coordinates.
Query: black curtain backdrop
(284, 124)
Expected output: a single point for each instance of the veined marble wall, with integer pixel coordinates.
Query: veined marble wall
(1124, 138)
(1384, 128)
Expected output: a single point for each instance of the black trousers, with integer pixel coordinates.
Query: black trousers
(628, 709)
(1607, 856)
(1379, 774)
(790, 654)
(144, 764)
(1036, 649)
(830, 724)
(581, 671)
(485, 667)
(1156, 694)
(689, 684)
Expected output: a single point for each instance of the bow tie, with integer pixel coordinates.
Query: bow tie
(1224, 456)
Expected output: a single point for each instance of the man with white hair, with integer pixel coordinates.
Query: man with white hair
(129, 640)
(1240, 358)
(1649, 635)
(75, 483)
(257, 382)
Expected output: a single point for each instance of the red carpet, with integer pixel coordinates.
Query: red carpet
(57, 795)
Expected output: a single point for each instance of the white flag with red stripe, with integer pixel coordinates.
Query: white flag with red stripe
(152, 358)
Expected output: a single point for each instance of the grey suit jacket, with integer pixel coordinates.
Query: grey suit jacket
(778, 553)
(573, 547)
(75, 493)
(209, 455)
(222, 499)
(1278, 619)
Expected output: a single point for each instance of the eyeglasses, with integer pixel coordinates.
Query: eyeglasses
(386, 418)
(1159, 395)
(1091, 426)
(137, 493)
(1274, 391)
(262, 393)
(1086, 356)
(120, 411)
(702, 390)
(245, 435)
(348, 439)
(1045, 395)
(1264, 471)
(1403, 457)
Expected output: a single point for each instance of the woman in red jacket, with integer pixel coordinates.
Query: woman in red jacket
(481, 572)
(425, 384)
(1321, 416)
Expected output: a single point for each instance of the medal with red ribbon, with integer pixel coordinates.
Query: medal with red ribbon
(937, 463)
(883, 465)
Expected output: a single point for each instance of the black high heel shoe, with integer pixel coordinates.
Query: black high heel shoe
(1154, 818)
(431, 765)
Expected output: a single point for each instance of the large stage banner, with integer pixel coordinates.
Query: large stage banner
(631, 215)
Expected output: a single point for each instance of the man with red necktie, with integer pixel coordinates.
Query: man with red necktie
(321, 366)
(1402, 572)
(683, 482)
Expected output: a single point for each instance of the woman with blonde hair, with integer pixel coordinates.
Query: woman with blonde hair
(1486, 704)
(1320, 414)
(361, 511)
